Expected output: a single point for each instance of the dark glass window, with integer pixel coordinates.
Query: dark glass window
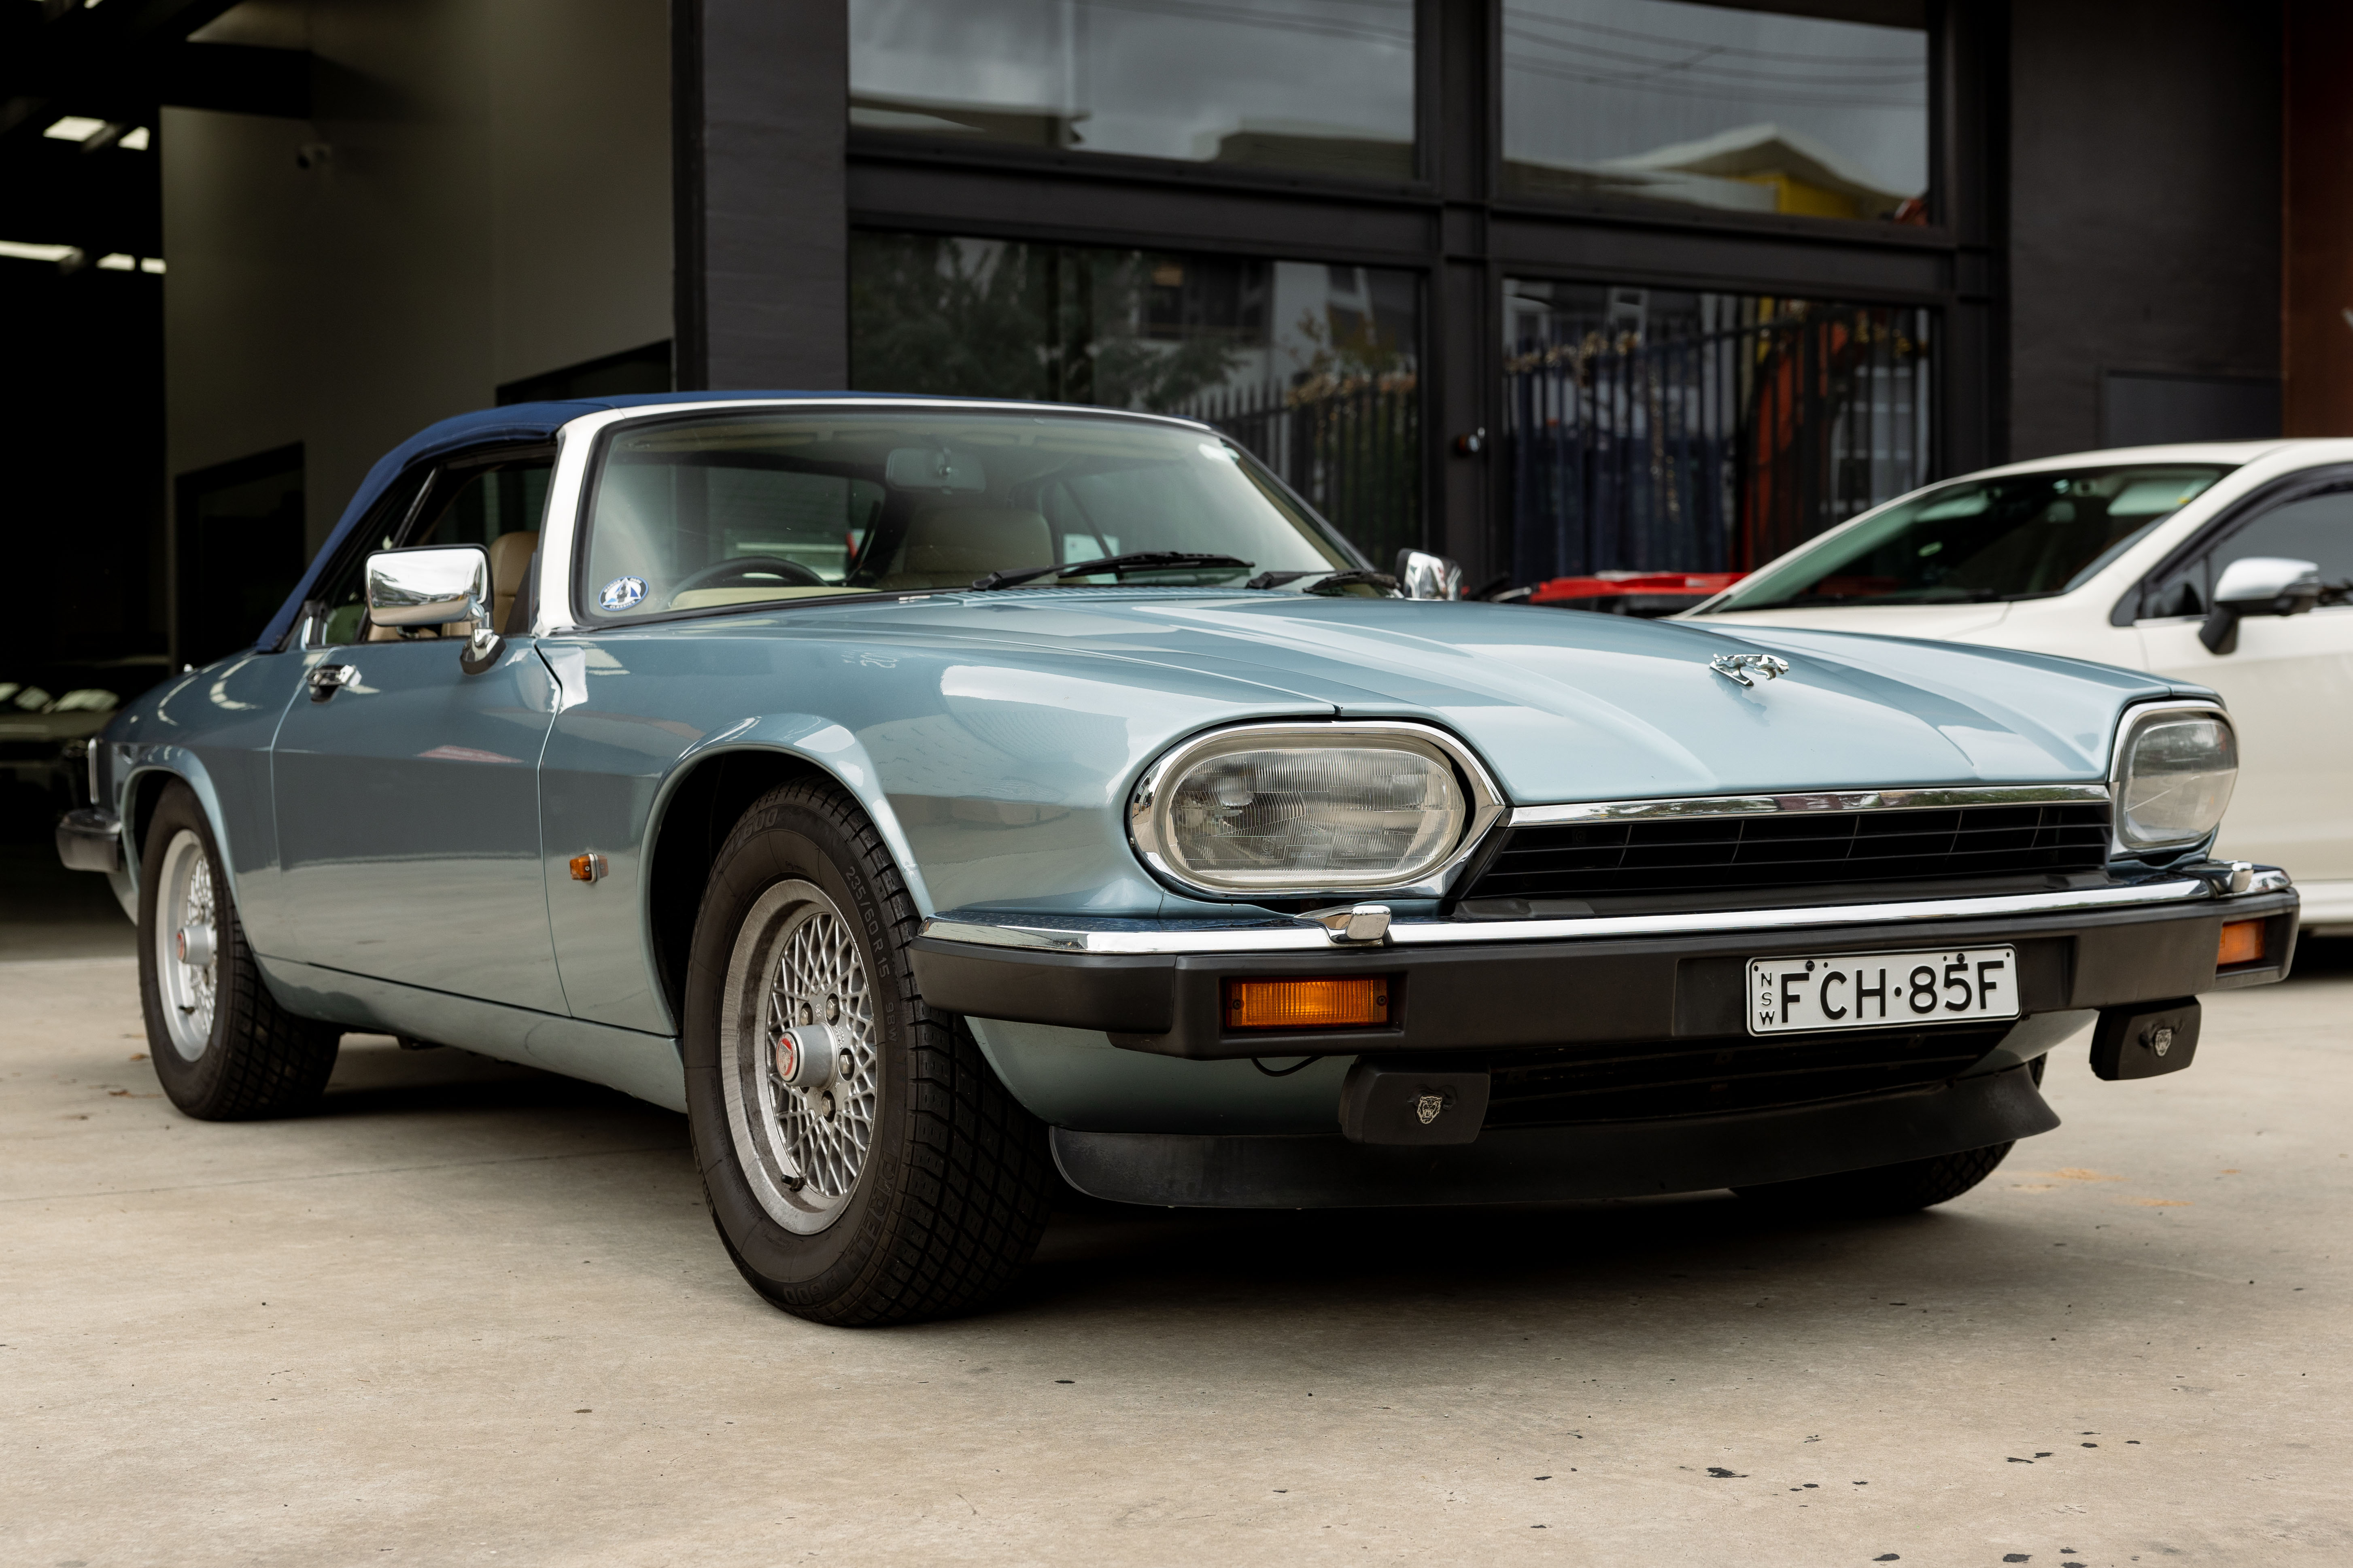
(1655, 430)
(470, 504)
(1713, 105)
(1312, 367)
(1323, 86)
(2318, 529)
(1979, 540)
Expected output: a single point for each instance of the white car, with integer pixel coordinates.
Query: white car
(2228, 566)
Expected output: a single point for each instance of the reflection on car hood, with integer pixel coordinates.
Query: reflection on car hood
(1887, 620)
(1588, 707)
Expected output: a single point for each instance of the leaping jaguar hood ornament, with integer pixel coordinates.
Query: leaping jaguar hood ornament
(1749, 669)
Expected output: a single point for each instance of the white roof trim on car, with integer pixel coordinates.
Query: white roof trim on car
(2235, 453)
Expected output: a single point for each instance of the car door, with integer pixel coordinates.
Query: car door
(2288, 681)
(406, 792)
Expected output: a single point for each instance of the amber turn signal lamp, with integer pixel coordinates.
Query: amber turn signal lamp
(2242, 943)
(588, 868)
(1307, 1004)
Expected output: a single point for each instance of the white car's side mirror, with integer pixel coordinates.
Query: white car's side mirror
(2258, 585)
(433, 587)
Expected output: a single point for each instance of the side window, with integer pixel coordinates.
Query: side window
(495, 504)
(335, 615)
(2312, 528)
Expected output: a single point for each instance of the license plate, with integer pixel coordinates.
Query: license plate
(1880, 990)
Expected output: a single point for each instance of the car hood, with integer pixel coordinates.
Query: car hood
(1567, 706)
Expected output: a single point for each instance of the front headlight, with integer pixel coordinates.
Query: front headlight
(2174, 770)
(1305, 808)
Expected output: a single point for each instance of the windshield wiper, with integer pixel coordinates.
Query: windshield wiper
(1135, 560)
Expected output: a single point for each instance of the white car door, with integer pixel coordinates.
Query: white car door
(2288, 682)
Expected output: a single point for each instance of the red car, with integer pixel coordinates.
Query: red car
(1645, 594)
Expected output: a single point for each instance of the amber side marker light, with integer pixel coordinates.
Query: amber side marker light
(1306, 1004)
(2242, 943)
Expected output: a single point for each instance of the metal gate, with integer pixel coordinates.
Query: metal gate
(1707, 432)
(1351, 445)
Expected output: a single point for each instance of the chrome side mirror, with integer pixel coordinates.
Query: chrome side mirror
(437, 586)
(2258, 585)
(1426, 576)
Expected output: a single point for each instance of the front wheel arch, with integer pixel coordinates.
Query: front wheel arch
(692, 820)
(952, 1177)
(143, 790)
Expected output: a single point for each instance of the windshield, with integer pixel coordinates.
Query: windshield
(1980, 540)
(724, 509)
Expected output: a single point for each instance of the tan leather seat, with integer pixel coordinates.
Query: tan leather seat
(948, 546)
(510, 556)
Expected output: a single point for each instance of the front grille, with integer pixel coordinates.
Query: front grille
(1729, 1073)
(1798, 849)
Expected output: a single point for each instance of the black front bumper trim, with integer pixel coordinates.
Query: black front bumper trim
(1601, 1159)
(1489, 996)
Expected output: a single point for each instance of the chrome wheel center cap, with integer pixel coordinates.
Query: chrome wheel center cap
(193, 945)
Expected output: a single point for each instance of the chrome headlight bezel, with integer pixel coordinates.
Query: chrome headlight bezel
(1483, 801)
(2122, 842)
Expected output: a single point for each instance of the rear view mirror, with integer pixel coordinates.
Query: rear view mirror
(933, 468)
(436, 587)
(2258, 585)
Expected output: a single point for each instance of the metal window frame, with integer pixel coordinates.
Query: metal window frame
(1453, 229)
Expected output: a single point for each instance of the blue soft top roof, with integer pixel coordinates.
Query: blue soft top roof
(516, 422)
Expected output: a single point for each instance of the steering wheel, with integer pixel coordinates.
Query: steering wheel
(732, 573)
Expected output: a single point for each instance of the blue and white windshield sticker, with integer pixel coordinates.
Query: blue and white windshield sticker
(621, 593)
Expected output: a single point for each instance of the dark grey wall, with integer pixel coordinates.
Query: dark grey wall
(760, 107)
(2143, 206)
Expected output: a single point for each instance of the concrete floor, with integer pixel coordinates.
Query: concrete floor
(473, 1314)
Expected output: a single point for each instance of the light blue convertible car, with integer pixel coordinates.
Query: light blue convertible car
(942, 801)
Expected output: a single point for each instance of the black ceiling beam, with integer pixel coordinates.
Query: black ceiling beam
(240, 78)
(112, 57)
(237, 78)
(99, 201)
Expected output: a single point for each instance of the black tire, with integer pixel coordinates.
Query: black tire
(255, 1059)
(1883, 1189)
(951, 1194)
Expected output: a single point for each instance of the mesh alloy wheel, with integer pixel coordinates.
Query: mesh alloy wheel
(186, 944)
(797, 987)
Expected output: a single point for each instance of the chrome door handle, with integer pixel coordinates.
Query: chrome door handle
(326, 680)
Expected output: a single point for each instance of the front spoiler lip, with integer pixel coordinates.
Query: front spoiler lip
(1081, 934)
(1551, 1164)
